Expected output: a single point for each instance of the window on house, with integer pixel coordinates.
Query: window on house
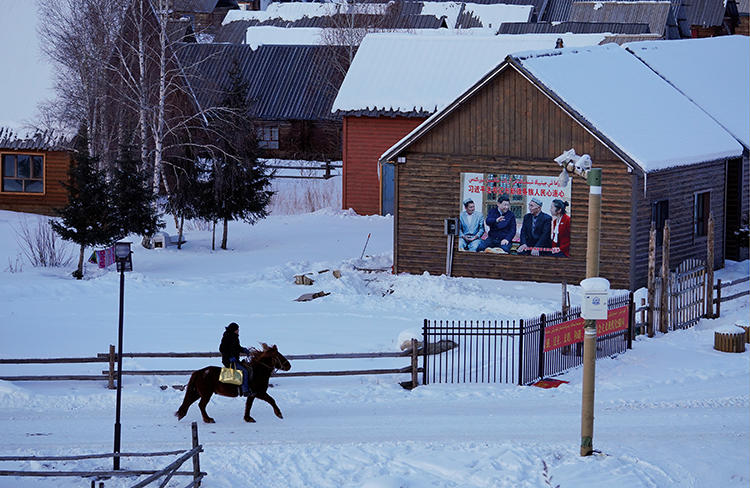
(659, 215)
(701, 211)
(23, 173)
(268, 137)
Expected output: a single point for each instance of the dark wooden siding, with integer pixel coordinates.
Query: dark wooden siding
(679, 186)
(56, 164)
(365, 140)
(317, 140)
(509, 126)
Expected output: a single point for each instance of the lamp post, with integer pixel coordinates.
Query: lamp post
(124, 263)
(581, 165)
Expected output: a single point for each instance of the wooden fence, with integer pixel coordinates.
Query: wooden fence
(153, 476)
(111, 359)
(720, 299)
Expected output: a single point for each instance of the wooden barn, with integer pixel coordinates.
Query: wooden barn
(33, 169)
(661, 155)
(395, 82)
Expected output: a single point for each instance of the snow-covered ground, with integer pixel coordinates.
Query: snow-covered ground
(671, 412)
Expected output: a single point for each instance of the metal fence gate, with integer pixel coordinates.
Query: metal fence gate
(456, 351)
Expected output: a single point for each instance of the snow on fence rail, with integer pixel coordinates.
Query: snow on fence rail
(111, 358)
(167, 472)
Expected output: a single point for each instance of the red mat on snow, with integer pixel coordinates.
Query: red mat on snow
(547, 383)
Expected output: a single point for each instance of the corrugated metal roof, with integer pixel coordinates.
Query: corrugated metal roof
(285, 82)
(655, 14)
(557, 11)
(233, 32)
(39, 141)
(705, 13)
(574, 27)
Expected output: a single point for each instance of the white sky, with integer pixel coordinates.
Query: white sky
(26, 79)
(670, 413)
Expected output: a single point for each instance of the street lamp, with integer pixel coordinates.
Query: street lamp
(124, 263)
(581, 165)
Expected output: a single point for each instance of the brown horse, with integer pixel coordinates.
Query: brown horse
(205, 382)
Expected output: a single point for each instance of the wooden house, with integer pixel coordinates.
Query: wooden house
(395, 82)
(662, 157)
(291, 90)
(33, 169)
(728, 104)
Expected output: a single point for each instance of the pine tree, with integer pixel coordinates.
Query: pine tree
(238, 183)
(87, 219)
(132, 198)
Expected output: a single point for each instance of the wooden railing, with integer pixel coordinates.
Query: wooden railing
(168, 472)
(719, 299)
(111, 358)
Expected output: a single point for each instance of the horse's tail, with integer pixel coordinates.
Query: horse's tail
(191, 395)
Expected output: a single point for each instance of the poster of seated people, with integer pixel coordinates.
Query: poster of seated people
(514, 214)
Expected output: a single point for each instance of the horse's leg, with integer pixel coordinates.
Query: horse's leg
(202, 405)
(248, 406)
(191, 395)
(266, 397)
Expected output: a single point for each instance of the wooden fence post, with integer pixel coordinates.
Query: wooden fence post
(651, 279)
(196, 459)
(643, 316)
(565, 299)
(718, 299)
(414, 363)
(111, 375)
(665, 282)
(709, 299)
(542, 326)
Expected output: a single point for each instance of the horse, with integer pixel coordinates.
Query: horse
(205, 382)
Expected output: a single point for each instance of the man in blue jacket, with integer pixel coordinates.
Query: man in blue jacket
(502, 224)
(472, 227)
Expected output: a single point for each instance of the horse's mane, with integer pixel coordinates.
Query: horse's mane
(256, 354)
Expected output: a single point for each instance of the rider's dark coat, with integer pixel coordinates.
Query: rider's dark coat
(230, 347)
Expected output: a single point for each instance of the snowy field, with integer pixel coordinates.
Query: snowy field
(671, 412)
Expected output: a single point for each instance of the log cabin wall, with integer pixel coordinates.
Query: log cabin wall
(508, 126)
(678, 186)
(56, 165)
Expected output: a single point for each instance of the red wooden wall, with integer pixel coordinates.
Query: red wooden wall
(365, 140)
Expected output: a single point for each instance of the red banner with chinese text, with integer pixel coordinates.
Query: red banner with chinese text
(570, 332)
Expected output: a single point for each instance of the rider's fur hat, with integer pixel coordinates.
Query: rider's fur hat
(233, 327)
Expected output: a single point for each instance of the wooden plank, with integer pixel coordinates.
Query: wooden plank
(88, 474)
(98, 359)
(90, 456)
(55, 378)
(405, 369)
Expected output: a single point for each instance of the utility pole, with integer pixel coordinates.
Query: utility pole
(594, 180)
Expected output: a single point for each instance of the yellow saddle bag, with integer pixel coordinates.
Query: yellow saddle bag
(230, 376)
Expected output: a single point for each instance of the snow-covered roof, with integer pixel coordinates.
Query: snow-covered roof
(292, 11)
(490, 15)
(407, 73)
(693, 65)
(635, 111)
(654, 124)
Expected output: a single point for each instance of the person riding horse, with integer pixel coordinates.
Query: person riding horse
(230, 350)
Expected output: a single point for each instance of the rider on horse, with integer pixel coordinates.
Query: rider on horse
(230, 350)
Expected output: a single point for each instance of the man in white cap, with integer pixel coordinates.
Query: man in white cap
(471, 230)
(535, 231)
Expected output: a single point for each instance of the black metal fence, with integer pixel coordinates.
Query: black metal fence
(496, 351)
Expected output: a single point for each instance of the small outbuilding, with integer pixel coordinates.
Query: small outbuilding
(33, 170)
(662, 157)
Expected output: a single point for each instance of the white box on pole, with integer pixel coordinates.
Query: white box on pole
(595, 295)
